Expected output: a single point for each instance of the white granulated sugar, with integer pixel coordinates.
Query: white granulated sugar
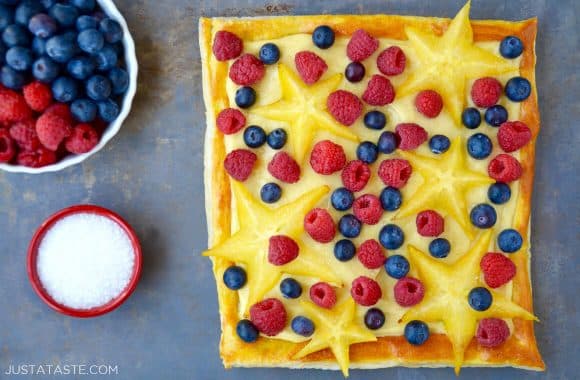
(85, 260)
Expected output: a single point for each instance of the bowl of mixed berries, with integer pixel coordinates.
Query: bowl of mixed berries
(68, 75)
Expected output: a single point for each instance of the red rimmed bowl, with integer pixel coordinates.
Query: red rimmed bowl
(33, 254)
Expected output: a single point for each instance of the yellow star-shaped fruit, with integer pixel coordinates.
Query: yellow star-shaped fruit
(446, 296)
(303, 107)
(445, 63)
(335, 329)
(249, 245)
(446, 181)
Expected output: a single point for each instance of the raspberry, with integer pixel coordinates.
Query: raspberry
(355, 175)
(379, 91)
(429, 103)
(491, 332)
(367, 209)
(7, 148)
(38, 96)
(319, 225)
(269, 316)
(395, 172)
(513, 135)
(24, 134)
(227, 45)
(82, 140)
(282, 250)
(497, 269)
(284, 168)
(365, 291)
(323, 295)
(411, 135)
(327, 157)
(409, 291)
(344, 106)
(361, 46)
(239, 164)
(429, 223)
(247, 70)
(37, 158)
(504, 168)
(371, 254)
(53, 126)
(13, 107)
(392, 61)
(485, 92)
(310, 66)
(230, 121)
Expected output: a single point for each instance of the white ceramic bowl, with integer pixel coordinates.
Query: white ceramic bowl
(111, 10)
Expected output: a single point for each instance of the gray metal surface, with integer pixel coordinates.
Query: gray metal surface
(151, 173)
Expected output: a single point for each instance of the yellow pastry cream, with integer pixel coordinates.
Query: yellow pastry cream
(448, 64)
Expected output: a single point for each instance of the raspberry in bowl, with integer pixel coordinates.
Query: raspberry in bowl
(68, 75)
(84, 261)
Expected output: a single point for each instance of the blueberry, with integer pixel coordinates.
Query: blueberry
(2, 52)
(302, 326)
(509, 240)
(48, 3)
(64, 14)
(439, 248)
(367, 152)
(439, 144)
(61, 48)
(19, 58)
(45, 69)
(112, 30)
(397, 266)
(106, 59)
(323, 36)
(86, 22)
(64, 89)
(98, 87)
(84, 5)
(375, 120)
(354, 72)
(391, 198)
(344, 250)
(277, 138)
(42, 25)
(499, 193)
(290, 288)
(84, 110)
(6, 16)
(471, 118)
(496, 115)
(26, 10)
(235, 277)
(11, 78)
(247, 331)
(269, 53)
(391, 236)
(511, 47)
(80, 67)
(245, 97)
(480, 299)
(479, 146)
(90, 41)
(39, 46)
(271, 192)
(342, 199)
(108, 110)
(416, 332)
(374, 318)
(518, 89)
(254, 136)
(387, 142)
(349, 226)
(483, 216)
(16, 35)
